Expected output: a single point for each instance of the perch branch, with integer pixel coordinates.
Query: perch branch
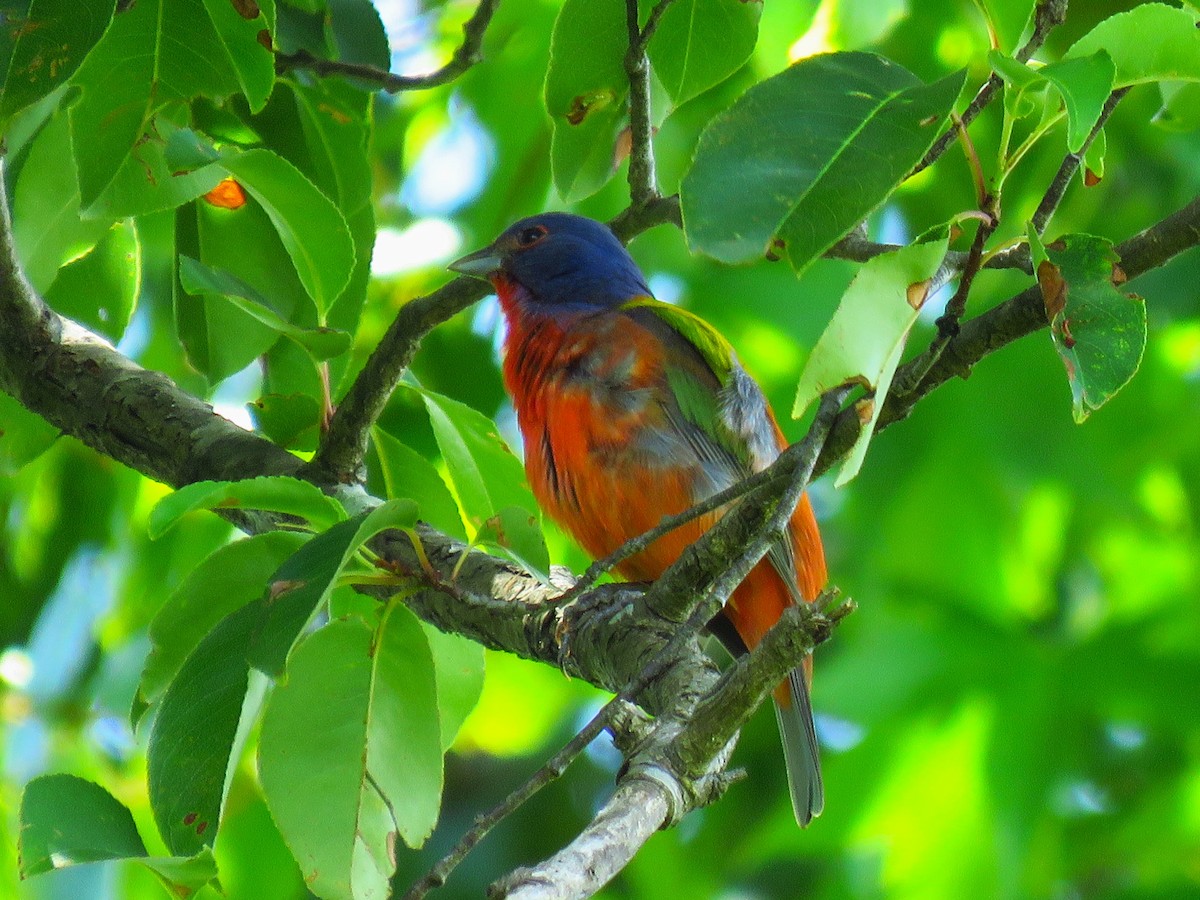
(463, 58)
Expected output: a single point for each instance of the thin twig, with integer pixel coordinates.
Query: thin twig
(1070, 165)
(1048, 15)
(643, 181)
(463, 59)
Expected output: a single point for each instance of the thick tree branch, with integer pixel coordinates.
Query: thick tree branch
(463, 59)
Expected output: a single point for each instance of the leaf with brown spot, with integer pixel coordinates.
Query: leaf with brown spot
(247, 9)
(1054, 288)
(918, 293)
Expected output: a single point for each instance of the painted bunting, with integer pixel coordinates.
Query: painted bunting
(632, 409)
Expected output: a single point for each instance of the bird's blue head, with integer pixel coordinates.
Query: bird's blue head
(562, 262)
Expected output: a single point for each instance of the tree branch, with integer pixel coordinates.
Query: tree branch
(463, 59)
(643, 181)
(1021, 315)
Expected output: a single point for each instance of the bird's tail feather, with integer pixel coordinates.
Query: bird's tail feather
(800, 750)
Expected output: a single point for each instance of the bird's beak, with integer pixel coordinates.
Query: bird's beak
(481, 264)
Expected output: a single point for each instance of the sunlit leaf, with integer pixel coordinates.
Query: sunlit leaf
(1006, 21)
(100, 288)
(48, 226)
(1084, 84)
(865, 339)
(354, 732)
(275, 493)
(289, 420)
(458, 669)
(803, 157)
(249, 55)
(1151, 42)
(407, 473)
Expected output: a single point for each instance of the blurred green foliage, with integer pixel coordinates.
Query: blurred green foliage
(1013, 712)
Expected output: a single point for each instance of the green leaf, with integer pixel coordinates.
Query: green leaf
(1083, 83)
(48, 226)
(52, 42)
(150, 181)
(24, 436)
(304, 581)
(865, 338)
(586, 87)
(289, 420)
(100, 289)
(229, 578)
(183, 875)
(358, 33)
(195, 732)
(249, 57)
(197, 278)
(804, 156)
(165, 51)
(1006, 21)
(67, 821)
(1181, 106)
(1099, 332)
(458, 664)
(516, 532)
(353, 732)
(406, 473)
(700, 43)
(1151, 42)
(312, 229)
(273, 493)
(488, 478)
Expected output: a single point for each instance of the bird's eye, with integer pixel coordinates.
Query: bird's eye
(527, 237)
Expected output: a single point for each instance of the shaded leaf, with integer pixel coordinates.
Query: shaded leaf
(164, 50)
(197, 278)
(517, 532)
(273, 493)
(195, 732)
(358, 33)
(289, 420)
(24, 436)
(229, 578)
(67, 820)
(52, 42)
(1006, 21)
(312, 229)
(304, 581)
(804, 156)
(1099, 332)
(700, 43)
(865, 339)
(586, 87)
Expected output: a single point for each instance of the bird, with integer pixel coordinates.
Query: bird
(631, 409)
